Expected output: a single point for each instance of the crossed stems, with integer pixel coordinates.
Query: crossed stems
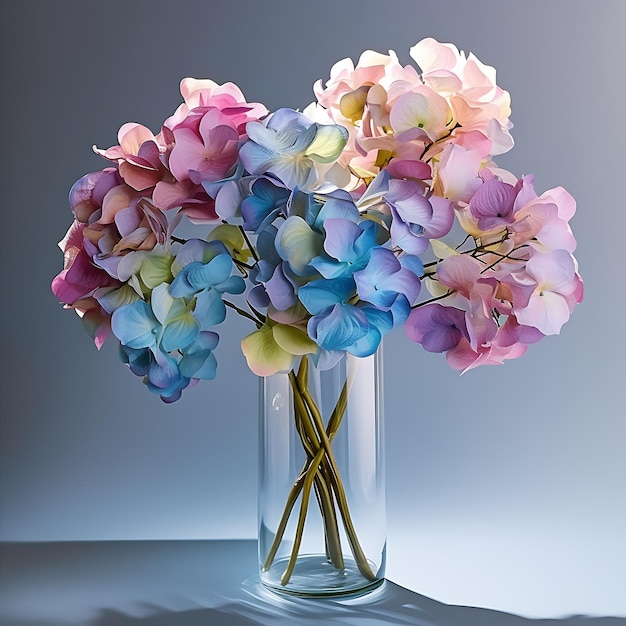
(319, 470)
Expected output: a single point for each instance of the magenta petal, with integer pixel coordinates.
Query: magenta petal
(80, 279)
(404, 168)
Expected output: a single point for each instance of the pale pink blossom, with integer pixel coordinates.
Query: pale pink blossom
(558, 288)
(421, 108)
(456, 176)
(360, 98)
(463, 357)
(543, 221)
(475, 294)
(345, 93)
(202, 94)
(470, 87)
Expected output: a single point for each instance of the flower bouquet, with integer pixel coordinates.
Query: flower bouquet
(378, 205)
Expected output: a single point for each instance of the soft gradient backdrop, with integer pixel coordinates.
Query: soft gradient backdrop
(506, 485)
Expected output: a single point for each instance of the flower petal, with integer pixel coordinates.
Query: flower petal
(328, 143)
(135, 325)
(298, 244)
(293, 339)
(264, 356)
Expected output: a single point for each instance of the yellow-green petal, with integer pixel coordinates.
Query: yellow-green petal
(294, 340)
(264, 356)
(232, 238)
(298, 244)
(328, 143)
(156, 269)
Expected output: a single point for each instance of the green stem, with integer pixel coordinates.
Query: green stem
(337, 485)
(322, 484)
(324, 498)
(249, 243)
(312, 446)
(306, 490)
(243, 313)
(333, 426)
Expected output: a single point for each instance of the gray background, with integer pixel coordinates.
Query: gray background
(505, 486)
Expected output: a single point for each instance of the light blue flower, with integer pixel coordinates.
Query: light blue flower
(290, 146)
(389, 283)
(162, 342)
(198, 360)
(321, 294)
(149, 333)
(336, 324)
(204, 276)
(347, 247)
(355, 329)
(339, 327)
(163, 325)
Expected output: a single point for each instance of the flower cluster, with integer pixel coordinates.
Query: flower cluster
(378, 205)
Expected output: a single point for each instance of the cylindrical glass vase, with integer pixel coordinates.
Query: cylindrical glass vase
(322, 517)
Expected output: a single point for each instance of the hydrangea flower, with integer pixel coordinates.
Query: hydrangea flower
(204, 276)
(380, 204)
(292, 148)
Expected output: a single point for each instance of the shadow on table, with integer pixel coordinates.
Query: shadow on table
(391, 604)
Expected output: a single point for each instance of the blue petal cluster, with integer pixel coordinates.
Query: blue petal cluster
(167, 338)
(322, 261)
(325, 256)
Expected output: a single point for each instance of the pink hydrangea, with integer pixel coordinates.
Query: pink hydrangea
(79, 280)
(519, 283)
(205, 133)
(469, 86)
(391, 111)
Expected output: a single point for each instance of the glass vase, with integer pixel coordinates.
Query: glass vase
(322, 518)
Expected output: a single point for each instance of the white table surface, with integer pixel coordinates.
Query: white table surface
(201, 583)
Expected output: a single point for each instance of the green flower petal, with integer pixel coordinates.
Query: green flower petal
(298, 244)
(161, 302)
(293, 339)
(328, 143)
(156, 269)
(264, 356)
(232, 238)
